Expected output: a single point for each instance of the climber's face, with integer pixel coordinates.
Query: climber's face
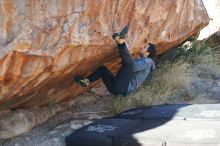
(144, 50)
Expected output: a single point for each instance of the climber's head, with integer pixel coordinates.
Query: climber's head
(152, 50)
(148, 51)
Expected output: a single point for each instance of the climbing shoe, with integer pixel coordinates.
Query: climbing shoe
(121, 35)
(82, 81)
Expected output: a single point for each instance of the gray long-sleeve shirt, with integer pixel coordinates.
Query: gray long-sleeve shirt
(141, 69)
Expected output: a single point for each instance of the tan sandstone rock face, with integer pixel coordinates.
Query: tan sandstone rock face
(43, 44)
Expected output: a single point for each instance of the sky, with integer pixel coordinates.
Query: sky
(213, 9)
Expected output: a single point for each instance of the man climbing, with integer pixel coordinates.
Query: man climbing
(132, 72)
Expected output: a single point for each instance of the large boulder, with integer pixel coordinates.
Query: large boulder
(43, 44)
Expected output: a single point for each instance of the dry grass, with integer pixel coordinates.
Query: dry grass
(178, 81)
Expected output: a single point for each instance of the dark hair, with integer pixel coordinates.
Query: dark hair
(152, 50)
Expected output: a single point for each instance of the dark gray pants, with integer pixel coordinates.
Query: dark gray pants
(116, 84)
